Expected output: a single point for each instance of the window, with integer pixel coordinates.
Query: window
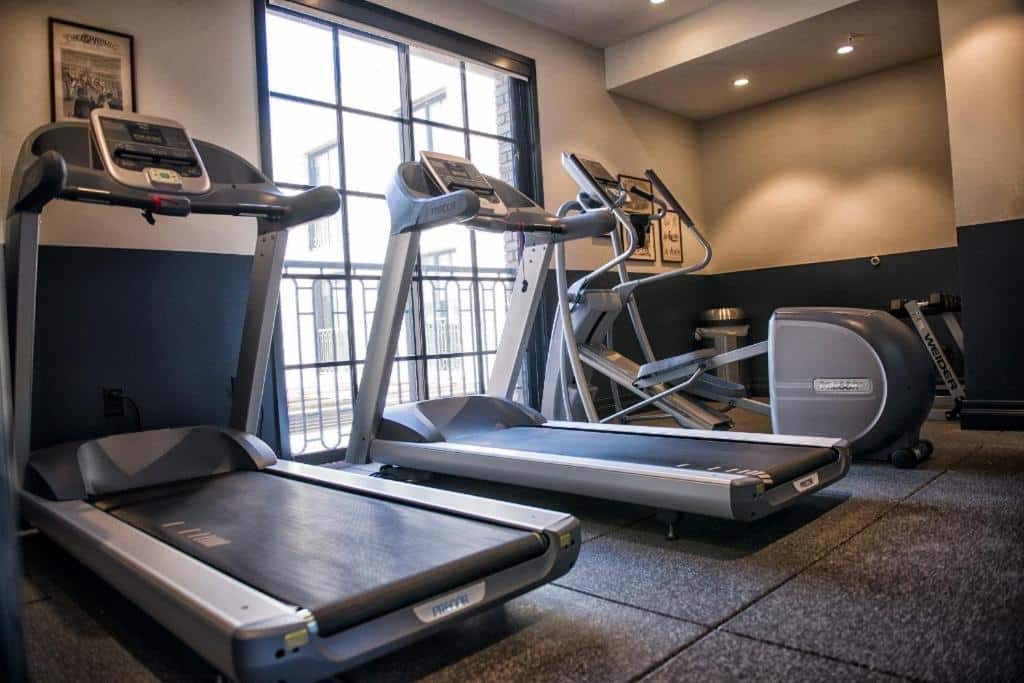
(342, 106)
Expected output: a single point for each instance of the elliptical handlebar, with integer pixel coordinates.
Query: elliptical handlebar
(670, 199)
(574, 167)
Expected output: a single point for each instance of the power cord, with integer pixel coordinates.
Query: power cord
(138, 413)
(119, 395)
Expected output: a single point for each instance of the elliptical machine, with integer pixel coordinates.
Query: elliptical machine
(852, 373)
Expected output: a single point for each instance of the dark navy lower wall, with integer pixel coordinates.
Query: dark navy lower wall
(166, 326)
(991, 258)
(850, 282)
(670, 309)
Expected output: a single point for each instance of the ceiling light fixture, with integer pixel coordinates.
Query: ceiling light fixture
(741, 81)
(847, 47)
(657, 2)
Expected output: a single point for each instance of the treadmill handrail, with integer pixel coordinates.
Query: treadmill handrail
(41, 182)
(42, 178)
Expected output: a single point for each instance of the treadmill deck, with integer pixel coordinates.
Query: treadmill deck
(772, 463)
(345, 557)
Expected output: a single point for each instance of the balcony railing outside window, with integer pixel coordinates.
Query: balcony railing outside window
(346, 107)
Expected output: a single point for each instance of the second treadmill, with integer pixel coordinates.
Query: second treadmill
(730, 475)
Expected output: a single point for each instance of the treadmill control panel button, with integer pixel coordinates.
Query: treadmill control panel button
(163, 178)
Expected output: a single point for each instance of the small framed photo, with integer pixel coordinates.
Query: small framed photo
(647, 252)
(634, 203)
(671, 238)
(89, 68)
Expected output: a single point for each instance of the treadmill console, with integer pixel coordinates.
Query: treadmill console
(608, 183)
(148, 153)
(452, 173)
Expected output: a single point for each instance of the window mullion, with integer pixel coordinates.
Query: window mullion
(350, 325)
(420, 388)
(475, 273)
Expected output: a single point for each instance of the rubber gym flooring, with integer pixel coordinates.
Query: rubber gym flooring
(889, 574)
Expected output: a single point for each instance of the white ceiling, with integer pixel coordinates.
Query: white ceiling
(600, 22)
(795, 58)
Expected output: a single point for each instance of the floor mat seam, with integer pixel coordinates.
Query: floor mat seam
(636, 607)
(620, 527)
(896, 503)
(834, 658)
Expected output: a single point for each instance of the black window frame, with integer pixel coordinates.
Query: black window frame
(396, 27)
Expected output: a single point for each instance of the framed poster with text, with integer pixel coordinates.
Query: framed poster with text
(671, 238)
(89, 68)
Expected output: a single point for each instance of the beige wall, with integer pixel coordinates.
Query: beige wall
(983, 48)
(850, 170)
(211, 87)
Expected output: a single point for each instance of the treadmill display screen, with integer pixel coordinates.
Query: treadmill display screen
(454, 174)
(142, 133)
(598, 171)
(604, 179)
(458, 171)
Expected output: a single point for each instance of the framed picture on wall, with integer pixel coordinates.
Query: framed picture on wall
(648, 252)
(671, 238)
(89, 68)
(635, 203)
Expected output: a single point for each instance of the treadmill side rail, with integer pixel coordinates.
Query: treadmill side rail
(839, 444)
(464, 504)
(712, 493)
(201, 605)
(706, 493)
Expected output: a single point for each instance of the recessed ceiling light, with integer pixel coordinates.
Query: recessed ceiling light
(847, 47)
(742, 81)
(657, 2)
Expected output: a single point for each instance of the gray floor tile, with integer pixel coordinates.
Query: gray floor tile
(550, 634)
(934, 590)
(86, 631)
(31, 589)
(94, 657)
(725, 657)
(717, 567)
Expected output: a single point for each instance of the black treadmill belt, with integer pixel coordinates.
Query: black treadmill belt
(345, 557)
(772, 463)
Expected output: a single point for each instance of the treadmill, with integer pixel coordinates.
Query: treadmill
(271, 570)
(491, 437)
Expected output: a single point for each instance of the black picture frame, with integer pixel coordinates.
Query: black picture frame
(100, 92)
(639, 205)
(671, 224)
(635, 204)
